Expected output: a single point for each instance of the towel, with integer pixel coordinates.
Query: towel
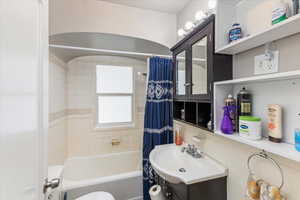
(270, 192)
(253, 188)
(261, 190)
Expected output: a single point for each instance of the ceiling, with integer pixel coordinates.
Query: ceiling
(170, 6)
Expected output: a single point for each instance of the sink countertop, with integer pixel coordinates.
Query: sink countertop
(167, 160)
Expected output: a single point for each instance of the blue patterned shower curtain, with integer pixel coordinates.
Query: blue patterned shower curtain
(158, 125)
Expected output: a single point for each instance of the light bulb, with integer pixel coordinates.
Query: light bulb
(200, 15)
(212, 4)
(189, 25)
(181, 32)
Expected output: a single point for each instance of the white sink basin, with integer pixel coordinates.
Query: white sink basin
(177, 167)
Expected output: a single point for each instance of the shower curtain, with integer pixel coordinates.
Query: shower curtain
(158, 124)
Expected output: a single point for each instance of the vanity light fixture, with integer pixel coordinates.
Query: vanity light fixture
(181, 32)
(189, 25)
(212, 4)
(200, 15)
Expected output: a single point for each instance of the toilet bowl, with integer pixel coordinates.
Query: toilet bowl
(97, 196)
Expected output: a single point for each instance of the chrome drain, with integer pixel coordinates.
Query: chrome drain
(182, 170)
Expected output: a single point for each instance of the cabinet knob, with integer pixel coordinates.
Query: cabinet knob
(187, 84)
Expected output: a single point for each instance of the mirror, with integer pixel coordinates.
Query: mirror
(180, 74)
(199, 69)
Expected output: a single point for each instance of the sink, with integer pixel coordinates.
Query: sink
(175, 166)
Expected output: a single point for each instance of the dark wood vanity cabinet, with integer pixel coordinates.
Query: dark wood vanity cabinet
(196, 68)
(214, 189)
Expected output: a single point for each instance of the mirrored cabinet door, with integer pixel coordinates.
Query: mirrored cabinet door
(199, 67)
(181, 74)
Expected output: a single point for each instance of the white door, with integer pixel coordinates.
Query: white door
(23, 98)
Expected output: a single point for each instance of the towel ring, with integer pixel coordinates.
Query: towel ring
(264, 155)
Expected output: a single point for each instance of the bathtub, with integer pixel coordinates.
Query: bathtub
(119, 174)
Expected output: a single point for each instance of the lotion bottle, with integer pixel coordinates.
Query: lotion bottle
(275, 123)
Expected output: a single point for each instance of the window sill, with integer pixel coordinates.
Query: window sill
(114, 127)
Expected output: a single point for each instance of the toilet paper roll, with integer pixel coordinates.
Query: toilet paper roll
(156, 193)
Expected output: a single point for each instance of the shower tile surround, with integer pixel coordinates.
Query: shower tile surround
(77, 118)
(57, 133)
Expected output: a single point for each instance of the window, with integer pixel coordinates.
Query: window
(114, 95)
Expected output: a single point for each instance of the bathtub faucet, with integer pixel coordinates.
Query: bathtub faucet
(115, 142)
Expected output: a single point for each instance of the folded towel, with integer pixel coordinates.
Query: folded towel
(270, 192)
(253, 189)
(261, 190)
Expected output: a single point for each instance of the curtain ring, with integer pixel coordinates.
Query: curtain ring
(264, 155)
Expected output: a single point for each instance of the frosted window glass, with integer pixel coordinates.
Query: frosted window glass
(114, 79)
(114, 109)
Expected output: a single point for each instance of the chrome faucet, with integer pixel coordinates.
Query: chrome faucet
(191, 150)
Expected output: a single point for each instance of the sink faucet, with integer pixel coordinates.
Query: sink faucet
(191, 150)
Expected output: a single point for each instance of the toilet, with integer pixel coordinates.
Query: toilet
(97, 196)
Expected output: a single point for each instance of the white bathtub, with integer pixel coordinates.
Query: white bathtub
(119, 174)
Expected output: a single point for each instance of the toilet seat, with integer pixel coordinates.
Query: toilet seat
(97, 196)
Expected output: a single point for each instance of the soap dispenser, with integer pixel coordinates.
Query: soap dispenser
(178, 136)
(227, 126)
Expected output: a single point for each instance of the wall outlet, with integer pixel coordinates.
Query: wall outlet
(263, 65)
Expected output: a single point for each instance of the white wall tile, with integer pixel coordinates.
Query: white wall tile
(83, 139)
(57, 135)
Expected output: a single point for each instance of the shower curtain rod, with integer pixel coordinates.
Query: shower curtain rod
(108, 51)
(148, 55)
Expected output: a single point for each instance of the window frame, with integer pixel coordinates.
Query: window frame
(113, 125)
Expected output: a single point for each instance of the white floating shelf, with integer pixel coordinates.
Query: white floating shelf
(284, 29)
(282, 149)
(262, 78)
(271, 88)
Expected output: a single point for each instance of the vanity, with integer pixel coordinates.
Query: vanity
(196, 68)
(183, 172)
(186, 176)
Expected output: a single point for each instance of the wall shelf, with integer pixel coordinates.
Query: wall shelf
(255, 17)
(278, 88)
(284, 29)
(262, 78)
(282, 149)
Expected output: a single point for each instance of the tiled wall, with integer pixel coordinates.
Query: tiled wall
(57, 134)
(83, 138)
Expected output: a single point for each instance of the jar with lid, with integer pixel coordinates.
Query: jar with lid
(235, 33)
